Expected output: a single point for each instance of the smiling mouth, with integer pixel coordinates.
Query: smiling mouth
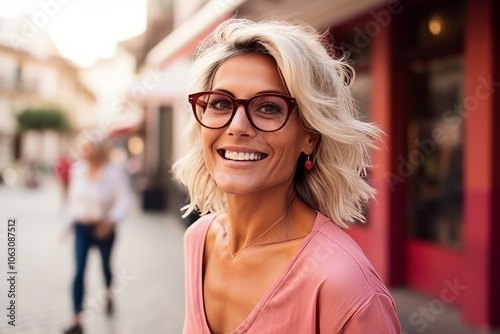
(241, 156)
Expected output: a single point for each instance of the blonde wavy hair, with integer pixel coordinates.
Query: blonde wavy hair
(322, 86)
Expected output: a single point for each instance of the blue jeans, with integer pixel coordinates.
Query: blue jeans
(84, 239)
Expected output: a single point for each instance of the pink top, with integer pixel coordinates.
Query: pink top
(328, 287)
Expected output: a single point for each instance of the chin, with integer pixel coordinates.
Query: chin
(235, 187)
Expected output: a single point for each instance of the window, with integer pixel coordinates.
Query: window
(435, 149)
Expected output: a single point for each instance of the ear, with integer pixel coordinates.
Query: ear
(310, 142)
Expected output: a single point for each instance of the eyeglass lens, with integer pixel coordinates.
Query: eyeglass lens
(266, 112)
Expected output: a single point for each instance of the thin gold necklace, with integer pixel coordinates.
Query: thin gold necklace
(254, 240)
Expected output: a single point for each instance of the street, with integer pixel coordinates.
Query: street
(147, 265)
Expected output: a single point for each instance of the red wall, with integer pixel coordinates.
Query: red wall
(481, 305)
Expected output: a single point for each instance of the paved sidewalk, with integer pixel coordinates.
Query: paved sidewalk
(419, 314)
(147, 264)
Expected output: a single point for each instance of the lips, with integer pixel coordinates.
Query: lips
(241, 156)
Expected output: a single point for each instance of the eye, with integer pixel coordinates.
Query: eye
(270, 108)
(220, 104)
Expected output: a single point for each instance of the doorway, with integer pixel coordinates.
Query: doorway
(434, 159)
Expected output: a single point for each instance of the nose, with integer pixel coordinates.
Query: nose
(240, 124)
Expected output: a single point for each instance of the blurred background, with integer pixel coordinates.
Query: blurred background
(426, 73)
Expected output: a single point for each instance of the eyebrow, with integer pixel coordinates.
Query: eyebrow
(272, 91)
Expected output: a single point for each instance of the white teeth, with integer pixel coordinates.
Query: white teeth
(242, 156)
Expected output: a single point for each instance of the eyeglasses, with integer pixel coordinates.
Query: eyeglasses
(266, 112)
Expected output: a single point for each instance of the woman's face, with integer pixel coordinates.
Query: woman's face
(89, 152)
(275, 154)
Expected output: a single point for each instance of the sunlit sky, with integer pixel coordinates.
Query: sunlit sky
(81, 30)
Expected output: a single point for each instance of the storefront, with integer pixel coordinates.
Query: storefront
(427, 73)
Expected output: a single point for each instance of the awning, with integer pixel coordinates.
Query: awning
(186, 37)
(126, 131)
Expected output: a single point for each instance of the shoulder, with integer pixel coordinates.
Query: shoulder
(114, 173)
(78, 169)
(79, 165)
(111, 169)
(339, 267)
(198, 230)
(377, 315)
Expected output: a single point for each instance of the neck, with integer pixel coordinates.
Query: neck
(94, 164)
(249, 216)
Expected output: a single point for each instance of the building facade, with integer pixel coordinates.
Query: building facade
(28, 81)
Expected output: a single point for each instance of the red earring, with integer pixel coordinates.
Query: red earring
(308, 164)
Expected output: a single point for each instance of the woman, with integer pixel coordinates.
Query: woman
(99, 198)
(276, 157)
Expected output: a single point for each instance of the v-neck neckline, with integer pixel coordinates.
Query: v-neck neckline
(252, 316)
(95, 177)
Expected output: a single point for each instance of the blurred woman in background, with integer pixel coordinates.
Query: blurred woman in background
(98, 199)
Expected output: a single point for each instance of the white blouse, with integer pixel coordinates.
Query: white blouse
(107, 196)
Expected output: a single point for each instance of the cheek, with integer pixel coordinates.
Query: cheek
(287, 155)
(290, 146)
(208, 140)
